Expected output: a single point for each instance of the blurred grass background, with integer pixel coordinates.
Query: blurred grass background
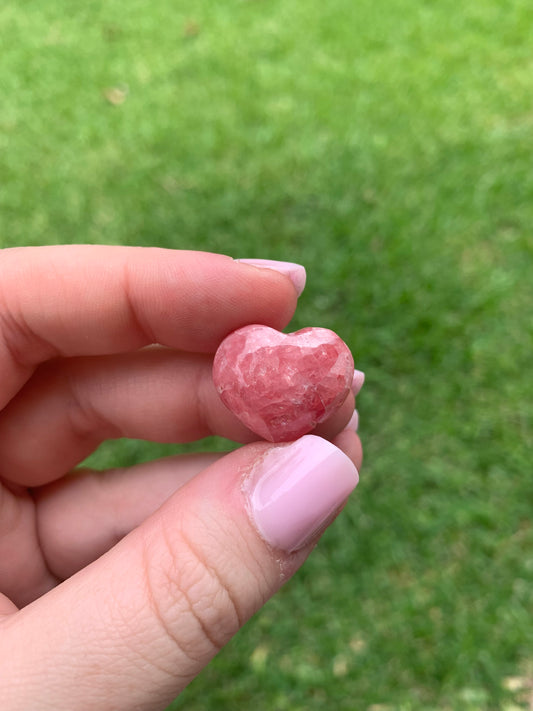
(386, 145)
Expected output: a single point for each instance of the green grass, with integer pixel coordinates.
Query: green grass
(386, 145)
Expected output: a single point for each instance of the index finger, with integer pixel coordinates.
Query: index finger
(95, 300)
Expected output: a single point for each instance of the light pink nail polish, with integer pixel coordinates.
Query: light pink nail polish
(295, 272)
(358, 380)
(353, 424)
(297, 489)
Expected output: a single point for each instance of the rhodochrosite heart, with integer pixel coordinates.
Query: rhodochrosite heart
(282, 385)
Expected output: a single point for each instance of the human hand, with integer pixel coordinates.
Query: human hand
(118, 587)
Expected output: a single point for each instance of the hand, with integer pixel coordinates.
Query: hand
(120, 586)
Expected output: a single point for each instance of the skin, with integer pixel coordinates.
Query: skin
(118, 587)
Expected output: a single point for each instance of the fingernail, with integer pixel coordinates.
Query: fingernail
(297, 489)
(295, 272)
(358, 380)
(353, 424)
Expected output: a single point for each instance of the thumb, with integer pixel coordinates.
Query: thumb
(133, 628)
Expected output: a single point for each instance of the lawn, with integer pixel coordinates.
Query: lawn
(387, 145)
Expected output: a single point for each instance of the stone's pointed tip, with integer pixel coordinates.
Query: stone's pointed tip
(281, 385)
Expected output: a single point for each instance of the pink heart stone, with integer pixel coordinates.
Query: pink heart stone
(282, 385)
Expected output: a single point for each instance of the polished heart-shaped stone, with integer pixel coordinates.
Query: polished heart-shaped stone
(281, 385)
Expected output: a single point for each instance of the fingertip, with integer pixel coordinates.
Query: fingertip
(297, 489)
(338, 421)
(277, 288)
(295, 272)
(357, 381)
(349, 442)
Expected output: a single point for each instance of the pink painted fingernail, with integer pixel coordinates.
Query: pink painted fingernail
(295, 272)
(297, 489)
(353, 424)
(358, 380)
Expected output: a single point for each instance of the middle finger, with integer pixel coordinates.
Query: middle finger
(71, 405)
